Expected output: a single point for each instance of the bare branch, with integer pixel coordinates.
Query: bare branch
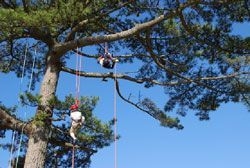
(143, 80)
(118, 76)
(152, 111)
(232, 75)
(11, 122)
(128, 101)
(120, 56)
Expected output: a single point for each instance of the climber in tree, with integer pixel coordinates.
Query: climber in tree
(107, 60)
(77, 121)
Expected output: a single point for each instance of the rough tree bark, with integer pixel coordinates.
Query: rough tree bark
(39, 137)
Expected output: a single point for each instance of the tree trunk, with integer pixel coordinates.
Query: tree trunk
(37, 148)
(39, 137)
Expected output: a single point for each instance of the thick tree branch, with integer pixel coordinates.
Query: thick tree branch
(70, 45)
(83, 23)
(10, 122)
(111, 37)
(39, 34)
(143, 80)
(119, 56)
(232, 75)
(118, 76)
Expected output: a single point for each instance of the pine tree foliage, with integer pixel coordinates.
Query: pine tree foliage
(184, 46)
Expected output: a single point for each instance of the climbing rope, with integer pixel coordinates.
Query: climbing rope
(73, 156)
(115, 110)
(77, 80)
(14, 133)
(12, 148)
(115, 122)
(25, 115)
(77, 92)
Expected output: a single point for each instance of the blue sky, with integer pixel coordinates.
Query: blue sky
(222, 142)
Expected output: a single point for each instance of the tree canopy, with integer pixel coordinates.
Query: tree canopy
(184, 46)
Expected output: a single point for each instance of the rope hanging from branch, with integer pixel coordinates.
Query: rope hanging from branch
(78, 81)
(115, 121)
(77, 92)
(25, 114)
(14, 133)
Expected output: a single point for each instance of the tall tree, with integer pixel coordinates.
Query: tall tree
(184, 46)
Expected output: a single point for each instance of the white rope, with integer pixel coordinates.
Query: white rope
(115, 122)
(31, 77)
(12, 148)
(29, 89)
(24, 63)
(20, 90)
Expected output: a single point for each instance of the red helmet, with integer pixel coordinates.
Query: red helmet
(74, 107)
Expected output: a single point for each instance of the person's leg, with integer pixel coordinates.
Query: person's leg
(72, 131)
(83, 119)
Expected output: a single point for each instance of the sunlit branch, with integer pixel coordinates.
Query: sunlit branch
(232, 75)
(91, 40)
(111, 37)
(143, 80)
(118, 76)
(12, 123)
(119, 56)
(83, 23)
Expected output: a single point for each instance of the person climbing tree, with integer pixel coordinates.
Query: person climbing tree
(77, 121)
(107, 60)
